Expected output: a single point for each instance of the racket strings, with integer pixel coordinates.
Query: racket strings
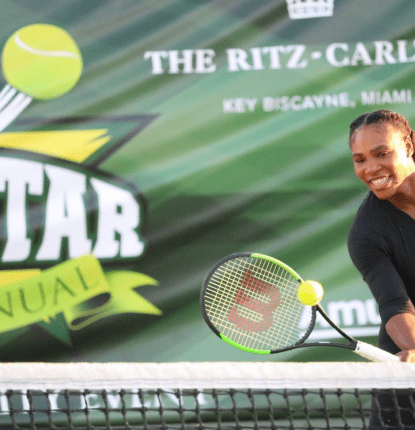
(246, 338)
(286, 317)
(253, 302)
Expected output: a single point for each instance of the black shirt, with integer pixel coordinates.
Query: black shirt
(382, 246)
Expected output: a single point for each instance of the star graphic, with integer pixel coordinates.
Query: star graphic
(86, 140)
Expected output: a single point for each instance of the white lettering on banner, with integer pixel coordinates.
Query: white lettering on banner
(386, 97)
(186, 61)
(316, 101)
(337, 54)
(376, 53)
(239, 59)
(65, 214)
(17, 181)
(286, 103)
(118, 213)
(357, 317)
(239, 105)
(61, 195)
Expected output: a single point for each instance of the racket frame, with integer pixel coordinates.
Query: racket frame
(301, 342)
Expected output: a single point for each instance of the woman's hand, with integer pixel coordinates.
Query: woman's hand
(401, 329)
(407, 356)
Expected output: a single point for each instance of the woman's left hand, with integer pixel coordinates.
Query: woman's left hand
(407, 356)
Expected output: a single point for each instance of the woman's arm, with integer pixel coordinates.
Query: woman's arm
(401, 329)
(370, 254)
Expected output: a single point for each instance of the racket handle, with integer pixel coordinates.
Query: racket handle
(373, 353)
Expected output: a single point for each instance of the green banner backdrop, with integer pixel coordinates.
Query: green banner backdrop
(142, 141)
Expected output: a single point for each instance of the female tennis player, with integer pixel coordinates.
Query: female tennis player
(382, 238)
(381, 241)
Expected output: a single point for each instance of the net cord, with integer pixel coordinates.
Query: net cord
(206, 375)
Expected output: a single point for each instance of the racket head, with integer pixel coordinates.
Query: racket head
(250, 301)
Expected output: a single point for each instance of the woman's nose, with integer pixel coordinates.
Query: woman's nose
(372, 165)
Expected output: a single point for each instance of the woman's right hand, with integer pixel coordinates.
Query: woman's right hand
(407, 356)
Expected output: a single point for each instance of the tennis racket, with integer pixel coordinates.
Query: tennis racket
(250, 301)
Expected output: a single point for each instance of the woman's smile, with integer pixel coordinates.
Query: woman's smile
(380, 183)
(382, 160)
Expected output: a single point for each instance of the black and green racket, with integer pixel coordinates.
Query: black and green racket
(250, 301)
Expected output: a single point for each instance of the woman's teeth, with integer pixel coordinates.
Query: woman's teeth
(380, 181)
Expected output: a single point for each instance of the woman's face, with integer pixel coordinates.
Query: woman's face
(382, 158)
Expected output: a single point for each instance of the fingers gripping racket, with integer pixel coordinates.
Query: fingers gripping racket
(250, 301)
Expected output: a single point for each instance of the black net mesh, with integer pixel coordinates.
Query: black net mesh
(208, 409)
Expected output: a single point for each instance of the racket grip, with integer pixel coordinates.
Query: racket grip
(373, 353)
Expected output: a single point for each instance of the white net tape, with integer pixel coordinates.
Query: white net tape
(204, 375)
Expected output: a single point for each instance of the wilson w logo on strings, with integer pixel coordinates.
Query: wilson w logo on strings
(251, 313)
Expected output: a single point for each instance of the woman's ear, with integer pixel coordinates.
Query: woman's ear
(409, 147)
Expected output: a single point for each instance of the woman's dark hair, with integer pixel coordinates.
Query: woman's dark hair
(385, 116)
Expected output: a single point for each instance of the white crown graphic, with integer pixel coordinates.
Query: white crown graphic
(298, 9)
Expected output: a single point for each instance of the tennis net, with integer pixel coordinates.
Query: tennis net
(221, 395)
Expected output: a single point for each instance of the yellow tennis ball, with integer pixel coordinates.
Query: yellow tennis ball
(42, 61)
(310, 293)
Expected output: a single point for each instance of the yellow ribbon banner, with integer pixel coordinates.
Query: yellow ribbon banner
(73, 288)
